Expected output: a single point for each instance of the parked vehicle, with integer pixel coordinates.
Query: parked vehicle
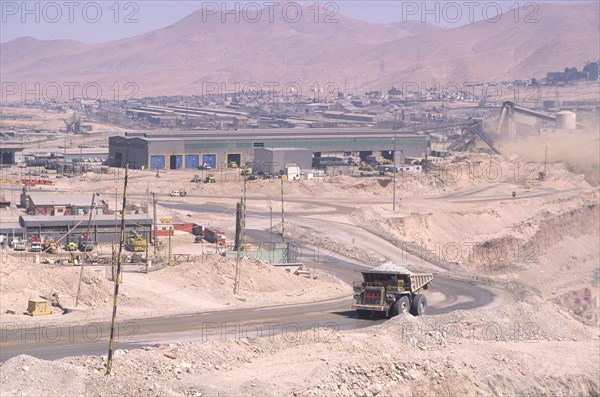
(19, 245)
(178, 193)
(36, 244)
(86, 244)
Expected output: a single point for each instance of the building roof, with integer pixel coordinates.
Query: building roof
(10, 147)
(285, 149)
(268, 134)
(10, 227)
(71, 220)
(62, 199)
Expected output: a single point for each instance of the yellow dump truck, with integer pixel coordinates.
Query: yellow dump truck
(391, 292)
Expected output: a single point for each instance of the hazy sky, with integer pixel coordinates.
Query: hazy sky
(99, 21)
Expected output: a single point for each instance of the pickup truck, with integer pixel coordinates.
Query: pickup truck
(178, 193)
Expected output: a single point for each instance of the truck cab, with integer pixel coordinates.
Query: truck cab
(86, 243)
(391, 293)
(36, 244)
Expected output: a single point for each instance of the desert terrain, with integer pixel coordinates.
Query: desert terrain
(499, 209)
(536, 254)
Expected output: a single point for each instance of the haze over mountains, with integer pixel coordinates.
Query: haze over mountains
(356, 55)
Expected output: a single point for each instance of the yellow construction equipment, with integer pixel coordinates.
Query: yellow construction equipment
(71, 246)
(50, 246)
(135, 242)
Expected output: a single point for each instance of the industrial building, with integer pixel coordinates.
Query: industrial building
(273, 160)
(219, 149)
(61, 204)
(103, 229)
(10, 154)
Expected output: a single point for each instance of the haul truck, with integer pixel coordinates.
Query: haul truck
(391, 293)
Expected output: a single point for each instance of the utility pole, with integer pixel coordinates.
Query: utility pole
(116, 212)
(282, 214)
(155, 240)
(169, 256)
(271, 248)
(118, 276)
(395, 165)
(545, 159)
(239, 241)
(238, 245)
(87, 238)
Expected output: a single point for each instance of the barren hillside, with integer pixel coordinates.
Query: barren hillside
(178, 59)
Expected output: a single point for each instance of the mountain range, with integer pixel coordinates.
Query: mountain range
(197, 54)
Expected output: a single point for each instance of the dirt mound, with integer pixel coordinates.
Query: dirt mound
(256, 277)
(523, 322)
(28, 376)
(391, 267)
(34, 280)
(201, 285)
(583, 303)
(440, 377)
(329, 244)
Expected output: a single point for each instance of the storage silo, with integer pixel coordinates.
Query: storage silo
(566, 120)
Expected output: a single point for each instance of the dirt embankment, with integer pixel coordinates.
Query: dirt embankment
(508, 350)
(188, 287)
(490, 239)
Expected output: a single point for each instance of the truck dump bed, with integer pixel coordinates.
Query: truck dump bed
(418, 281)
(414, 281)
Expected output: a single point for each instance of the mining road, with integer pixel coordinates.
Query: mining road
(55, 341)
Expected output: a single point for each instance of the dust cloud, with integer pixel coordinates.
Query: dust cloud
(579, 150)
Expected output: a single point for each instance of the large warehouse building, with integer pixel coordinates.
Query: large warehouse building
(189, 150)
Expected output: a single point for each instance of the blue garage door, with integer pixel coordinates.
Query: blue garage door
(157, 162)
(210, 159)
(191, 162)
(175, 162)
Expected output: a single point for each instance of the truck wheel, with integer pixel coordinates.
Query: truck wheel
(363, 313)
(419, 304)
(401, 306)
